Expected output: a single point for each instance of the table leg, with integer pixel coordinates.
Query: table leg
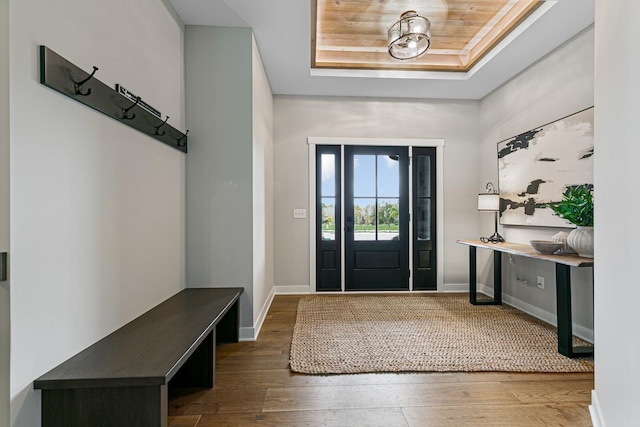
(563, 306)
(472, 275)
(497, 279)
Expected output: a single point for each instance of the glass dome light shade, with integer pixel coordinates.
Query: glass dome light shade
(410, 36)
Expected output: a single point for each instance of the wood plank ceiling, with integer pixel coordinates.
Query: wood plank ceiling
(352, 34)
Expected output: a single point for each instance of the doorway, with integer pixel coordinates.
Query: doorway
(376, 212)
(376, 218)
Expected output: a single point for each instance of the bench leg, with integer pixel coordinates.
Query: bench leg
(105, 407)
(228, 329)
(198, 370)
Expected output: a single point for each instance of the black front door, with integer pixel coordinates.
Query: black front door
(376, 218)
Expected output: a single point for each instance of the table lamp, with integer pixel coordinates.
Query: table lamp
(490, 202)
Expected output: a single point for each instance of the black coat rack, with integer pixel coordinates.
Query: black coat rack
(66, 78)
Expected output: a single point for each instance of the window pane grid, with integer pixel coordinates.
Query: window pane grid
(328, 218)
(376, 193)
(423, 220)
(328, 175)
(388, 224)
(424, 176)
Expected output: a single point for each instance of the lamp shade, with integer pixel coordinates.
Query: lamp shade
(410, 36)
(489, 202)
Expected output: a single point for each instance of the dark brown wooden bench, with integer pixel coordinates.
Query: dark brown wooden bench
(122, 379)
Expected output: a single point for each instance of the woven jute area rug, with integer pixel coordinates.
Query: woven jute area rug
(357, 334)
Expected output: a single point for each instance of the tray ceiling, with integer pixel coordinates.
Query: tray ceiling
(352, 34)
(284, 31)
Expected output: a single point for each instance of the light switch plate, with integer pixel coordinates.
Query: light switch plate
(299, 213)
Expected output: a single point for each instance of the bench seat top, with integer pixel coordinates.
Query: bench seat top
(151, 348)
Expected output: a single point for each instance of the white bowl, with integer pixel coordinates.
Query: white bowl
(546, 246)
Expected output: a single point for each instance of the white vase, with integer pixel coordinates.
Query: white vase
(581, 239)
(561, 237)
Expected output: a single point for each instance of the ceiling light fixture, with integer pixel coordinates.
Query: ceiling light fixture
(410, 36)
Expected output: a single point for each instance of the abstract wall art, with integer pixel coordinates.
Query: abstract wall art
(536, 167)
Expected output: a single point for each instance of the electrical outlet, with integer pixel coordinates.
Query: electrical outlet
(541, 282)
(299, 213)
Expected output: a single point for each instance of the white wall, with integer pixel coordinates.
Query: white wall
(558, 85)
(97, 208)
(297, 118)
(5, 321)
(219, 166)
(617, 293)
(229, 172)
(262, 164)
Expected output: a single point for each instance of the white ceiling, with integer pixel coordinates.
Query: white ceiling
(282, 32)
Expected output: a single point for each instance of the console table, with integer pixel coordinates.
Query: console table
(563, 285)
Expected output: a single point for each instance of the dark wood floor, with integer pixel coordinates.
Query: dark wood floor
(255, 387)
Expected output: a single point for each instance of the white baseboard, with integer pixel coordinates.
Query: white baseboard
(594, 411)
(578, 330)
(484, 289)
(305, 289)
(246, 334)
(582, 332)
(292, 290)
(263, 313)
(251, 334)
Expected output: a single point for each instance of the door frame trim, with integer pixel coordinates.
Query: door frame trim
(438, 143)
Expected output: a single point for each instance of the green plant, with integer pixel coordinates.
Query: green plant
(576, 205)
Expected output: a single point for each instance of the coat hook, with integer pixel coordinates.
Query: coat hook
(77, 86)
(125, 111)
(180, 143)
(162, 124)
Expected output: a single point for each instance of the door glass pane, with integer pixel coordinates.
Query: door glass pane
(424, 219)
(388, 176)
(328, 218)
(328, 174)
(364, 218)
(364, 175)
(424, 177)
(388, 219)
